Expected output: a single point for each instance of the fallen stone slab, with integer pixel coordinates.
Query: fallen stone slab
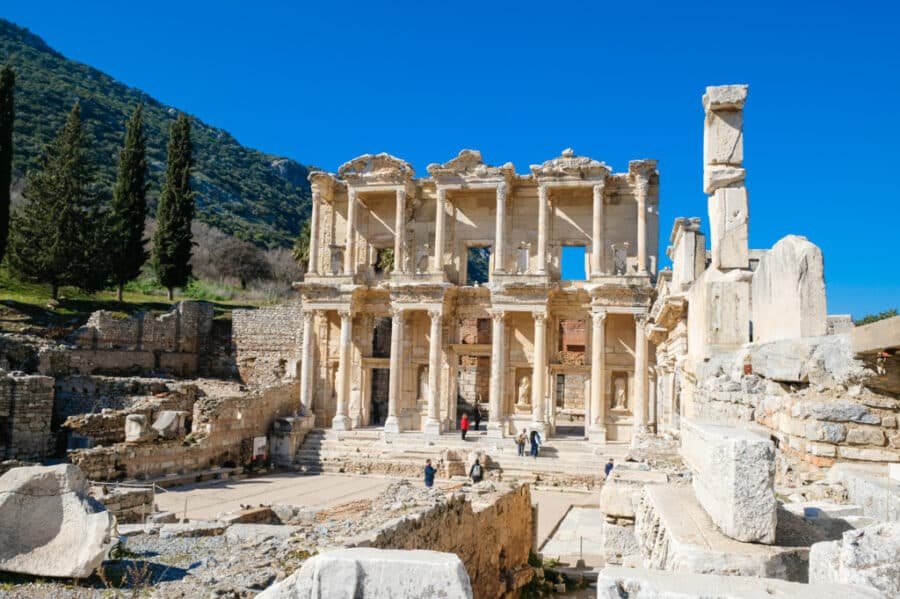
(871, 488)
(170, 424)
(192, 529)
(622, 490)
(241, 533)
(622, 583)
(49, 526)
(375, 574)
(733, 477)
(675, 533)
(867, 557)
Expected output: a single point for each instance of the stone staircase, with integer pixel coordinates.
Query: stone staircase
(365, 451)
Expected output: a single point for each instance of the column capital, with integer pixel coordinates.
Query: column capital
(398, 312)
(599, 317)
(308, 315)
(345, 314)
(641, 187)
(539, 317)
(641, 318)
(436, 314)
(598, 187)
(498, 315)
(501, 190)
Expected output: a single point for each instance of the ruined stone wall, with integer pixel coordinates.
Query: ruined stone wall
(26, 408)
(129, 505)
(267, 343)
(474, 378)
(492, 540)
(85, 394)
(222, 431)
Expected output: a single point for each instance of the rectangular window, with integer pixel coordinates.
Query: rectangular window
(574, 263)
(477, 264)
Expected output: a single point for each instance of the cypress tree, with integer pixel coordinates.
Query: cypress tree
(172, 240)
(53, 238)
(7, 116)
(129, 206)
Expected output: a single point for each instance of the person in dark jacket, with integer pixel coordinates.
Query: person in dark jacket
(608, 468)
(535, 438)
(476, 416)
(429, 474)
(476, 472)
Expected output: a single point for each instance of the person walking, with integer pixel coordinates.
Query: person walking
(476, 415)
(464, 425)
(520, 442)
(476, 472)
(429, 474)
(535, 443)
(608, 468)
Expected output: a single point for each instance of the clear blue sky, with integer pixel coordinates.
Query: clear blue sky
(323, 82)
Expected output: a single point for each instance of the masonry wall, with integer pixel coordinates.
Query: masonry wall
(267, 343)
(492, 540)
(26, 408)
(85, 394)
(222, 431)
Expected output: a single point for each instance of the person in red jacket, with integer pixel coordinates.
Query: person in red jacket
(464, 425)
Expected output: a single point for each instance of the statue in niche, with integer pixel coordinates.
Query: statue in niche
(524, 392)
(337, 260)
(522, 258)
(620, 259)
(422, 260)
(423, 382)
(620, 394)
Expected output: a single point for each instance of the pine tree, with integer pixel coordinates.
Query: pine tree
(55, 237)
(129, 206)
(172, 240)
(7, 87)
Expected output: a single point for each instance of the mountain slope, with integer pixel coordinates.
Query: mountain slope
(258, 197)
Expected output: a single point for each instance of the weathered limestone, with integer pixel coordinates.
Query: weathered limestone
(719, 315)
(170, 424)
(733, 475)
(137, 429)
(375, 574)
(26, 410)
(788, 292)
(621, 583)
(866, 557)
(619, 498)
(49, 524)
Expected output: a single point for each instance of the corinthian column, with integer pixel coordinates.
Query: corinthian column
(341, 421)
(392, 424)
(597, 237)
(432, 425)
(539, 372)
(439, 217)
(400, 230)
(350, 243)
(314, 233)
(642, 186)
(500, 228)
(306, 366)
(541, 255)
(498, 350)
(641, 406)
(597, 427)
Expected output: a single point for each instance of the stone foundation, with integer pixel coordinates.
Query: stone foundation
(267, 343)
(26, 409)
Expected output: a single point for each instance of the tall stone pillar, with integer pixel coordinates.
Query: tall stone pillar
(598, 266)
(500, 229)
(306, 363)
(341, 421)
(641, 396)
(498, 358)
(642, 188)
(539, 373)
(596, 429)
(432, 426)
(439, 218)
(400, 231)
(314, 233)
(541, 256)
(350, 244)
(392, 423)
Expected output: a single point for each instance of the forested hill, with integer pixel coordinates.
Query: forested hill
(258, 197)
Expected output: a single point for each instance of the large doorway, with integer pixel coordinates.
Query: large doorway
(570, 396)
(378, 405)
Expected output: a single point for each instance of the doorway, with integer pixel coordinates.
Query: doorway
(378, 406)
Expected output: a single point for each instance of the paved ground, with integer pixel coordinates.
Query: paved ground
(578, 536)
(207, 500)
(553, 506)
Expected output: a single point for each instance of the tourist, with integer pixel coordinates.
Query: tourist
(429, 474)
(608, 468)
(464, 425)
(535, 443)
(476, 473)
(520, 442)
(476, 415)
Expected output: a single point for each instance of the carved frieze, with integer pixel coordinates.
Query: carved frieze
(569, 167)
(376, 169)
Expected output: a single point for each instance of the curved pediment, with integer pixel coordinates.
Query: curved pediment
(376, 168)
(570, 166)
(469, 165)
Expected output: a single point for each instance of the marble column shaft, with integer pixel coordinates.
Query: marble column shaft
(439, 218)
(400, 230)
(314, 234)
(597, 237)
(498, 349)
(642, 188)
(341, 420)
(392, 424)
(641, 396)
(500, 230)
(539, 370)
(306, 363)
(598, 370)
(434, 365)
(541, 255)
(350, 243)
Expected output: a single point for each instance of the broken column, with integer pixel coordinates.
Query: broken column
(865, 557)
(789, 292)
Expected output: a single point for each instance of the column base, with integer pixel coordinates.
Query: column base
(432, 428)
(392, 425)
(495, 429)
(597, 435)
(340, 423)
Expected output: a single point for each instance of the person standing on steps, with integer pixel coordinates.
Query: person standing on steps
(535, 443)
(429, 474)
(520, 442)
(476, 415)
(608, 468)
(476, 473)
(464, 425)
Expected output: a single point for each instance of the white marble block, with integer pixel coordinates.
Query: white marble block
(729, 220)
(719, 315)
(788, 292)
(733, 478)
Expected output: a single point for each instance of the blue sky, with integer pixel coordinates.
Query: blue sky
(520, 81)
